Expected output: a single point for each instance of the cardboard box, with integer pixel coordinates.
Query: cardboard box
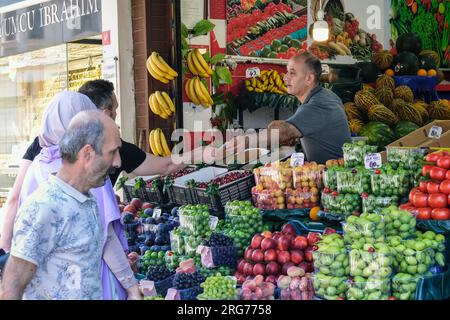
(419, 138)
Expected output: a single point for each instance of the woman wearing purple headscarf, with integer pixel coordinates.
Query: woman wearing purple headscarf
(116, 272)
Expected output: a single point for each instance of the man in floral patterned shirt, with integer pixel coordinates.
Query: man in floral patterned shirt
(57, 245)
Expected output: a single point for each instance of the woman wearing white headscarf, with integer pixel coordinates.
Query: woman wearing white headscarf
(117, 277)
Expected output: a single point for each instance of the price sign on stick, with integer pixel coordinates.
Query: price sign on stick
(373, 161)
(157, 213)
(252, 72)
(297, 159)
(435, 132)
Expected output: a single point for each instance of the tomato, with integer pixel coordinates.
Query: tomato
(424, 213)
(433, 157)
(405, 205)
(414, 190)
(438, 173)
(437, 200)
(440, 214)
(420, 200)
(426, 170)
(432, 187)
(445, 187)
(423, 186)
(444, 162)
(447, 175)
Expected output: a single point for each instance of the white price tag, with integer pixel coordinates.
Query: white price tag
(157, 213)
(325, 69)
(297, 159)
(435, 132)
(373, 161)
(252, 72)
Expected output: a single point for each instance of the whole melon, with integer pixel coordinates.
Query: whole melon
(441, 76)
(427, 62)
(364, 100)
(369, 72)
(408, 113)
(404, 128)
(439, 110)
(385, 95)
(432, 54)
(396, 105)
(379, 134)
(355, 125)
(385, 81)
(382, 114)
(409, 42)
(368, 87)
(383, 59)
(353, 112)
(405, 93)
(421, 106)
(406, 64)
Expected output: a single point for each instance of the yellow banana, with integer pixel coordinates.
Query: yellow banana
(200, 94)
(165, 147)
(191, 92)
(153, 108)
(154, 74)
(201, 72)
(157, 106)
(157, 142)
(191, 65)
(202, 61)
(162, 65)
(162, 103)
(204, 94)
(168, 101)
(152, 144)
(270, 73)
(258, 90)
(254, 82)
(250, 89)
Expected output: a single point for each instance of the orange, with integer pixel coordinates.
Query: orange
(432, 73)
(314, 213)
(389, 72)
(422, 73)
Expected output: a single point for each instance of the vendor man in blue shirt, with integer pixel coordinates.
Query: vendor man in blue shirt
(319, 121)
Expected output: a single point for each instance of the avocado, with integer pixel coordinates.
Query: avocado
(276, 44)
(272, 55)
(266, 51)
(287, 40)
(253, 54)
(283, 48)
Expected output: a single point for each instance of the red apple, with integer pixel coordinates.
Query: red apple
(239, 277)
(284, 243)
(248, 269)
(266, 234)
(275, 236)
(256, 241)
(297, 256)
(130, 208)
(257, 255)
(248, 254)
(267, 243)
(259, 269)
(308, 255)
(288, 229)
(313, 237)
(285, 267)
(147, 205)
(272, 268)
(241, 265)
(270, 255)
(300, 242)
(284, 257)
(271, 278)
(137, 203)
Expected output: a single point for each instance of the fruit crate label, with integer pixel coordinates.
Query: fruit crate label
(252, 72)
(325, 69)
(435, 132)
(157, 213)
(373, 161)
(297, 159)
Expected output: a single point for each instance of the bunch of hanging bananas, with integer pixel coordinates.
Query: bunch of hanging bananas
(158, 143)
(269, 81)
(197, 92)
(197, 64)
(159, 69)
(161, 104)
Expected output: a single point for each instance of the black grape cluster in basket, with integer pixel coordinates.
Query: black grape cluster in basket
(158, 273)
(218, 240)
(188, 280)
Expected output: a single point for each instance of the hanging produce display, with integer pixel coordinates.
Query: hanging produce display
(270, 29)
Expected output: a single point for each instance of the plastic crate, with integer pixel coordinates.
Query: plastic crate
(147, 193)
(181, 195)
(236, 190)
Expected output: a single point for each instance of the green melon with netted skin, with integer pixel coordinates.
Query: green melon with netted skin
(385, 81)
(385, 95)
(382, 114)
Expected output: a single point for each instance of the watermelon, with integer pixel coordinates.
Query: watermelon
(404, 128)
(379, 134)
(409, 42)
(369, 72)
(406, 63)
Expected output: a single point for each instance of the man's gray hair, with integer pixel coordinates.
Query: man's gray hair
(86, 128)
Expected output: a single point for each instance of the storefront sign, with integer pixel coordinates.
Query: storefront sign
(47, 24)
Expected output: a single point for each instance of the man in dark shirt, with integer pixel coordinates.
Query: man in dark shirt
(134, 160)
